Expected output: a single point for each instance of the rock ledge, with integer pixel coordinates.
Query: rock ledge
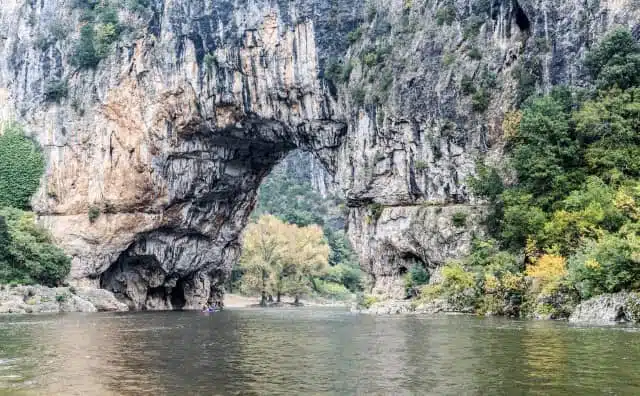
(41, 299)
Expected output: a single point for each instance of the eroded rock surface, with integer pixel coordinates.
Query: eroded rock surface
(40, 299)
(608, 309)
(171, 135)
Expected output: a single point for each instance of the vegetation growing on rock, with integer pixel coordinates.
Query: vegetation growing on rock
(21, 166)
(27, 253)
(568, 229)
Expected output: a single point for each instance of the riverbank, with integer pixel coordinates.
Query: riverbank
(606, 309)
(240, 301)
(42, 299)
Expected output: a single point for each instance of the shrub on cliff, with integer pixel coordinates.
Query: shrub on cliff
(615, 61)
(28, 255)
(21, 166)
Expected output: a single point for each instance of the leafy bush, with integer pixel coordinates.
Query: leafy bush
(480, 100)
(466, 85)
(420, 165)
(446, 15)
(55, 90)
(354, 35)
(138, 5)
(348, 276)
(376, 210)
(615, 61)
(101, 30)
(472, 26)
(85, 54)
(28, 255)
(370, 59)
(459, 219)
(475, 54)
(416, 277)
(365, 300)
(609, 265)
(332, 290)
(209, 61)
(21, 166)
(94, 213)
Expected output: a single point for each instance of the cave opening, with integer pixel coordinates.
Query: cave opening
(521, 17)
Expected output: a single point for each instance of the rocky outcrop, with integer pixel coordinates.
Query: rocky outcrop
(608, 309)
(40, 299)
(171, 134)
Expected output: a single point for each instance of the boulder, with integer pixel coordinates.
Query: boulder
(609, 309)
(102, 300)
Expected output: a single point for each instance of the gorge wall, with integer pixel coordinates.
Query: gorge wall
(171, 134)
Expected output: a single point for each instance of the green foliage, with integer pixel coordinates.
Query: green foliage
(358, 94)
(480, 100)
(288, 195)
(420, 165)
(446, 14)
(354, 35)
(527, 75)
(55, 90)
(416, 277)
(448, 59)
(138, 5)
(474, 53)
(576, 159)
(615, 62)
(209, 62)
(28, 255)
(366, 301)
(459, 219)
(472, 26)
(608, 265)
(21, 166)
(101, 30)
(333, 290)
(544, 148)
(370, 59)
(376, 210)
(487, 182)
(466, 85)
(85, 54)
(94, 213)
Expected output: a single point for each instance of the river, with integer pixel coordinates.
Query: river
(311, 351)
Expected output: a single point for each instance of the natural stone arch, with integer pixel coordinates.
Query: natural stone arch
(162, 136)
(212, 153)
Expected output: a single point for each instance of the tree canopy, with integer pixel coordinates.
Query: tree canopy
(282, 259)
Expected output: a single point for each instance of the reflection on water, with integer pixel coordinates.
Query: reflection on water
(311, 352)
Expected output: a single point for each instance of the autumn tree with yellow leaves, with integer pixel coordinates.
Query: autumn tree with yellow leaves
(282, 259)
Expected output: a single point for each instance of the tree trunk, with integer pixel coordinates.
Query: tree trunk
(297, 300)
(263, 299)
(278, 297)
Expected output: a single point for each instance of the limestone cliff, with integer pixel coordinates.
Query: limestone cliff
(171, 134)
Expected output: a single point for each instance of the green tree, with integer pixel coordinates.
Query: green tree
(21, 167)
(30, 256)
(85, 54)
(615, 62)
(280, 258)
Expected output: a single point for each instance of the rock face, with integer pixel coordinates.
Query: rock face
(171, 134)
(609, 309)
(39, 299)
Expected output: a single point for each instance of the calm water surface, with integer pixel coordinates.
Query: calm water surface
(311, 351)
